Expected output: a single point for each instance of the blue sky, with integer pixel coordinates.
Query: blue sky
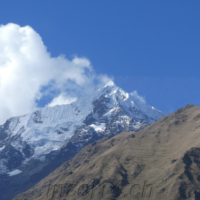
(149, 46)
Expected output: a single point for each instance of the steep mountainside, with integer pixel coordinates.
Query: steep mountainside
(33, 145)
(161, 161)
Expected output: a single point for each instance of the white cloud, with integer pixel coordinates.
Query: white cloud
(26, 67)
(62, 99)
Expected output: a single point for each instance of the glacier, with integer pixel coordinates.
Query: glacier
(48, 129)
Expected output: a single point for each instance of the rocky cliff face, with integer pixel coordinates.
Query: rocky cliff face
(33, 145)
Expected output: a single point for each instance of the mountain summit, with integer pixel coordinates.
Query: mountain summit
(33, 145)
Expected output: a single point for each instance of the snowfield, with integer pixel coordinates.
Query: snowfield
(37, 134)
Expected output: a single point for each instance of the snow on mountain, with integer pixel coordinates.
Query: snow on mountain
(33, 145)
(109, 110)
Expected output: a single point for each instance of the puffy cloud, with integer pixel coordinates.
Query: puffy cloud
(26, 68)
(62, 99)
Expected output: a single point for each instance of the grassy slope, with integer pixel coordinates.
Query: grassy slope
(157, 154)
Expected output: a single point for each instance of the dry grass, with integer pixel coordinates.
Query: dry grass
(155, 154)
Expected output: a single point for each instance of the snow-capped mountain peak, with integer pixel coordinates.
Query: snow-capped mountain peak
(42, 140)
(107, 111)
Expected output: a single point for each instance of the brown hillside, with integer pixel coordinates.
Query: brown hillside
(161, 161)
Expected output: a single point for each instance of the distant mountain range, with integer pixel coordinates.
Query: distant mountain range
(159, 162)
(33, 145)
